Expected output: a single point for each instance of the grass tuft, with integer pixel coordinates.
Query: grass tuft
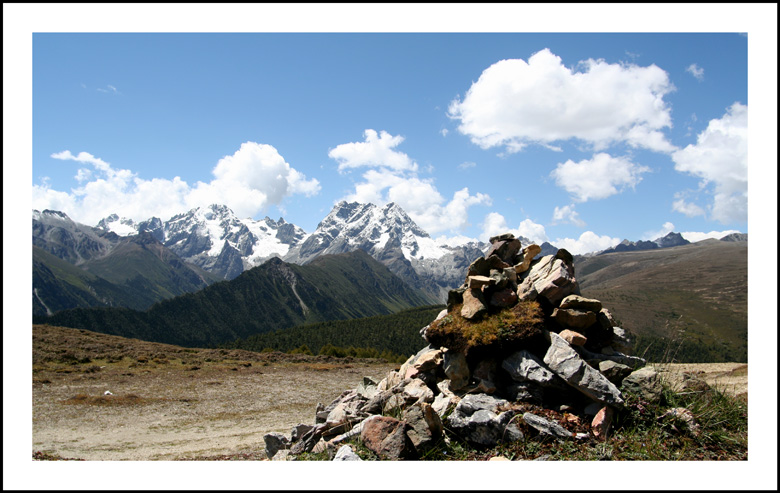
(509, 327)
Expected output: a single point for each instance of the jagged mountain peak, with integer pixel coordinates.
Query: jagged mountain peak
(50, 214)
(670, 240)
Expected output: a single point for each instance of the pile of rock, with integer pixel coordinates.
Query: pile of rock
(575, 361)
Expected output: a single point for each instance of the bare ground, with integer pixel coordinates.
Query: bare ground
(170, 403)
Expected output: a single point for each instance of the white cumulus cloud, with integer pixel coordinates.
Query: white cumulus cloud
(667, 228)
(597, 178)
(495, 224)
(694, 236)
(392, 177)
(376, 150)
(588, 242)
(719, 158)
(515, 103)
(253, 178)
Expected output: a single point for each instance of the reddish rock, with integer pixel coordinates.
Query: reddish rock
(574, 319)
(386, 437)
(602, 422)
(504, 299)
(573, 338)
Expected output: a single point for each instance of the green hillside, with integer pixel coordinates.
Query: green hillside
(58, 285)
(393, 337)
(135, 273)
(272, 296)
(689, 301)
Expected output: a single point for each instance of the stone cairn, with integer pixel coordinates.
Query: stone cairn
(568, 356)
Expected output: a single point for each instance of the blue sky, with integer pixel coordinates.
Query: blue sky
(578, 139)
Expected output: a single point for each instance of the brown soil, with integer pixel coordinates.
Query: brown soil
(173, 403)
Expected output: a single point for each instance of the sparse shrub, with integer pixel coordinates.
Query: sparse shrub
(302, 349)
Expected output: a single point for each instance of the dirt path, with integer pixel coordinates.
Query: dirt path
(730, 378)
(179, 413)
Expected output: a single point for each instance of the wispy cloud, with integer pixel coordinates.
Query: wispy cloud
(467, 165)
(567, 214)
(109, 89)
(696, 71)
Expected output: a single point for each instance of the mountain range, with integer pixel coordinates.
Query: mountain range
(206, 276)
(274, 295)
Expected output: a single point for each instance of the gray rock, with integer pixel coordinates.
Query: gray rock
(346, 453)
(281, 455)
(621, 340)
(417, 391)
(506, 249)
(548, 277)
(367, 388)
(425, 425)
(298, 431)
(457, 369)
(473, 304)
(524, 366)
(274, 442)
(644, 382)
(615, 372)
(565, 362)
(545, 426)
(525, 392)
(472, 403)
(355, 431)
(307, 442)
(624, 359)
(484, 427)
(593, 408)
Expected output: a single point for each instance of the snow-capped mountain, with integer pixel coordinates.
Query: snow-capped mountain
(61, 236)
(122, 227)
(389, 235)
(215, 239)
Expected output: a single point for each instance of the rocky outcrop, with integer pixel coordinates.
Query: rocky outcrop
(487, 363)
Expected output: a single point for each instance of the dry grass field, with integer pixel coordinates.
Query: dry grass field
(169, 402)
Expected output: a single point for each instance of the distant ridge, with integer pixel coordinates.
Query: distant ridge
(274, 295)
